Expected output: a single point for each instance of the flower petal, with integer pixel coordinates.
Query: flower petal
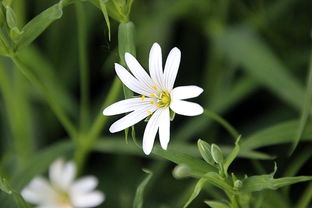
(39, 191)
(155, 66)
(186, 108)
(131, 82)
(56, 171)
(164, 128)
(150, 131)
(132, 118)
(186, 92)
(172, 67)
(138, 71)
(68, 175)
(90, 199)
(62, 174)
(84, 185)
(126, 106)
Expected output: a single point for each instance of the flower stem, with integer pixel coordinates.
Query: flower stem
(87, 141)
(83, 63)
(223, 122)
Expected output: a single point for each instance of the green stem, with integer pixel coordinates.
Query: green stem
(60, 114)
(223, 122)
(15, 117)
(83, 62)
(306, 197)
(87, 141)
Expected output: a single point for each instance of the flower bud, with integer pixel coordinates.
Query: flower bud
(181, 171)
(204, 149)
(216, 154)
(238, 184)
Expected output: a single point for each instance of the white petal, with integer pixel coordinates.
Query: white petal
(48, 206)
(172, 67)
(39, 191)
(186, 92)
(126, 106)
(138, 71)
(150, 132)
(83, 185)
(155, 66)
(132, 118)
(62, 174)
(164, 128)
(90, 199)
(69, 173)
(56, 171)
(131, 82)
(186, 108)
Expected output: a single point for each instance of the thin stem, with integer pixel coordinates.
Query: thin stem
(60, 114)
(90, 138)
(83, 64)
(21, 140)
(223, 122)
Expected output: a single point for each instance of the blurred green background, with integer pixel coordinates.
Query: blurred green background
(251, 58)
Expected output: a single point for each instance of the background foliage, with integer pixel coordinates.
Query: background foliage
(251, 57)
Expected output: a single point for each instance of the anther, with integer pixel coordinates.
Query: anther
(154, 87)
(152, 102)
(152, 95)
(149, 112)
(142, 97)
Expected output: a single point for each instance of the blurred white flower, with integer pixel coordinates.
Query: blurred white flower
(63, 191)
(157, 96)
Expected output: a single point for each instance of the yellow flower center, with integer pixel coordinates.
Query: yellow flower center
(163, 99)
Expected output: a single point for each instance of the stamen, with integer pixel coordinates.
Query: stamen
(142, 97)
(149, 112)
(154, 87)
(152, 102)
(160, 92)
(152, 95)
(158, 105)
(167, 92)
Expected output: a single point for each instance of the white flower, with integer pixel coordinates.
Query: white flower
(157, 96)
(62, 191)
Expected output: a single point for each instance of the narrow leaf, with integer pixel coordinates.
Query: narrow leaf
(216, 204)
(38, 24)
(258, 60)
(198, 187)
(231, 157)
(105, 13)
(138, 199)
(305, 110)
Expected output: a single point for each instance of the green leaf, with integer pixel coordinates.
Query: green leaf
(258, 60)
(198, 187)
(138, 199)
(305, 110)
(216, 204)
(279, 134)
(231, 157)
(261, 182)
(105, 13)
(38, 24)
(5, 186)
(198, 166)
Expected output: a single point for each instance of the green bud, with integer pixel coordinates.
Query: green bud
(238, 184)
(204, 149)
(216, 154)
(181, 171)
